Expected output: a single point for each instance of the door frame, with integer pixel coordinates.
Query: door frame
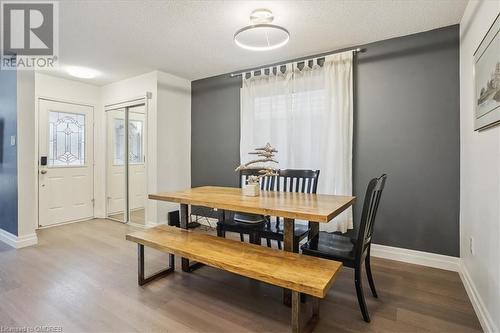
(37, 156)
(142, 100)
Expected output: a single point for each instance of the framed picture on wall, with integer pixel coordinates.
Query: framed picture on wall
(487, 79)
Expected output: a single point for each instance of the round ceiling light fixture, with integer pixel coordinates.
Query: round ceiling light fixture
(261, 35)
(82, 72)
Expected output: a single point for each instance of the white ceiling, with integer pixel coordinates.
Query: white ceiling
(194, 39)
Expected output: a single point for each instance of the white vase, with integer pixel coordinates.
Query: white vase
(251, 190)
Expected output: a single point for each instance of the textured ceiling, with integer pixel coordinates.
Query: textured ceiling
(194, 39)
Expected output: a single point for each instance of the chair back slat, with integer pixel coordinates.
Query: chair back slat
(297, 180)
(370, 207)
(287, 177)
(288, 180)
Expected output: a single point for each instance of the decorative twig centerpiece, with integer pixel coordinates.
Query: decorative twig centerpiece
(266, 156)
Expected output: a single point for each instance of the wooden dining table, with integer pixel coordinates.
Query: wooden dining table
(291, 206)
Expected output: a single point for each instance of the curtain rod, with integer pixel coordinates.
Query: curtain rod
(239, 73)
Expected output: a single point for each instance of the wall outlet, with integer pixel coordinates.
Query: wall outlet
(471, 246)
(12, 140)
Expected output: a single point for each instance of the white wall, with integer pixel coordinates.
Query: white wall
(168, 132)
(78, 92)
(126, 90)
(479, 177)
(174, 137)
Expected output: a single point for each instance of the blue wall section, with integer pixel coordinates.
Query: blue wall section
(8, 153)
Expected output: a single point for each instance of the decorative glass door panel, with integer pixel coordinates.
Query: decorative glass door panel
(66, 139)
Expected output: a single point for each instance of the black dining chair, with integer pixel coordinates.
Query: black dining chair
(290, 180)
(246, 223)
(352, 252)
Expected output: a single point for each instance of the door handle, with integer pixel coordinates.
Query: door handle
(43, 172)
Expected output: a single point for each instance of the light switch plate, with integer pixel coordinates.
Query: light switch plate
(12, 140)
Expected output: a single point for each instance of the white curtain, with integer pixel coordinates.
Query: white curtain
(306, 113)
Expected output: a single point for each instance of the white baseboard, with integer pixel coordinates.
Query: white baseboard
(18, 242)
(416, 257)
(482, 312)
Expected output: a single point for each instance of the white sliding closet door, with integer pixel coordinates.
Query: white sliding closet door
(126, 169)
(115, 175)
(137, 166)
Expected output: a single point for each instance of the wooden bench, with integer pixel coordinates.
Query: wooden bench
(299, 273)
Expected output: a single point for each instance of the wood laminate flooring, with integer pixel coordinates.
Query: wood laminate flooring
(83, 277)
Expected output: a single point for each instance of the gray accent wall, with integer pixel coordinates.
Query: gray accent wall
(8, 153)
(406, 124)
(215, 131)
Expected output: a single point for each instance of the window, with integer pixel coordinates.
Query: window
(306, 113)
(66, 139)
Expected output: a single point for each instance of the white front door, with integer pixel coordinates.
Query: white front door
(66, 162)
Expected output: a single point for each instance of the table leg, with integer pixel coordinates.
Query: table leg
(184, 223)
(290, 246)
(171, 257)
(288, 236)
(313, 230)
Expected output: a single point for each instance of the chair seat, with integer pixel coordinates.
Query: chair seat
(351, 233)
(249, 218)
(330, 246)
(276, 232)
(236, 226)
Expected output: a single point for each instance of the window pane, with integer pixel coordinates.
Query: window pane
(66, 139)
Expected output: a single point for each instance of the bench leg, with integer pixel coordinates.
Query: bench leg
(184, 222)
(297, 323)
(142, 280)
(315, 314)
